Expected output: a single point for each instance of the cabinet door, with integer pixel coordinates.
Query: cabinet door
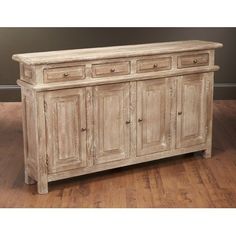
(111, 122)
(153, 116)
(191, 110)
(66, 129)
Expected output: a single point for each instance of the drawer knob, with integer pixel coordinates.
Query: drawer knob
(180, 113)
(112, 70)
(127, 122)
(195, 61)
(155, 66)
(140, 120)
(83, 129)
(66, 74)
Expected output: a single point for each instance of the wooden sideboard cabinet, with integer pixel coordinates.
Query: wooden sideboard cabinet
(89, 110)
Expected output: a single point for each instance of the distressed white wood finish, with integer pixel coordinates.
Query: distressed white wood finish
(191, 110)
(192, 60)
(66, 129)
(111, 122)
(64, 74)
(114, 52)
(89, 110)
(110, 69)
(153, 116)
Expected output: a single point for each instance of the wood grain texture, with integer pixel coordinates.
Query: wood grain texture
(192, 60)
(66, 129)
(29, 136)
(113, 52)
(111, 122)
(191, 110)
(41, 151)
(64, 74)
(111, 69)
(117, 79)
(209, 91)
(153, 64)
(185, 181)
(153, 116)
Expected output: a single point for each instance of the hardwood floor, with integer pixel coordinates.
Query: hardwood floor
(183, 181)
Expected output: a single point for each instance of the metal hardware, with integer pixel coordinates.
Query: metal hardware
(45, 107)
(83, 129)
(171, 91)
(195, 61)
(140, 120)
(127, 122)
(180, 113)
(112, 70)
(47, 160)
(155, 66)
(66, 74)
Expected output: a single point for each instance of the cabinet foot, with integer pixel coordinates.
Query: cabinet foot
(207, 153)
(29, 180)
(42, 187)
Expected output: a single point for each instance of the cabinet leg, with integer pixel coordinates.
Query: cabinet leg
(207, 153)
(42, 187)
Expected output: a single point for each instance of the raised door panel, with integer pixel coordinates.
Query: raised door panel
(112, 125)
(153, 116)
(66, 129)
(191, 110)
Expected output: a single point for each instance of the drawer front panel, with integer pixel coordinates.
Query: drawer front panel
(193, 60)
(64, 74)
(111, 69)
(151, 65)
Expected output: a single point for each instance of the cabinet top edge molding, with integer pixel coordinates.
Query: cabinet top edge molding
(39, 58)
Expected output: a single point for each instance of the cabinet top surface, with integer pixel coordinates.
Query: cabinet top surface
(113, 52)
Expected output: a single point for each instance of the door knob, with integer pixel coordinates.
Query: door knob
(140, 120)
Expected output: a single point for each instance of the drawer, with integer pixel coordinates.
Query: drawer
(151, 65)
(111, 69)
(193, 60)
(64, 74)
